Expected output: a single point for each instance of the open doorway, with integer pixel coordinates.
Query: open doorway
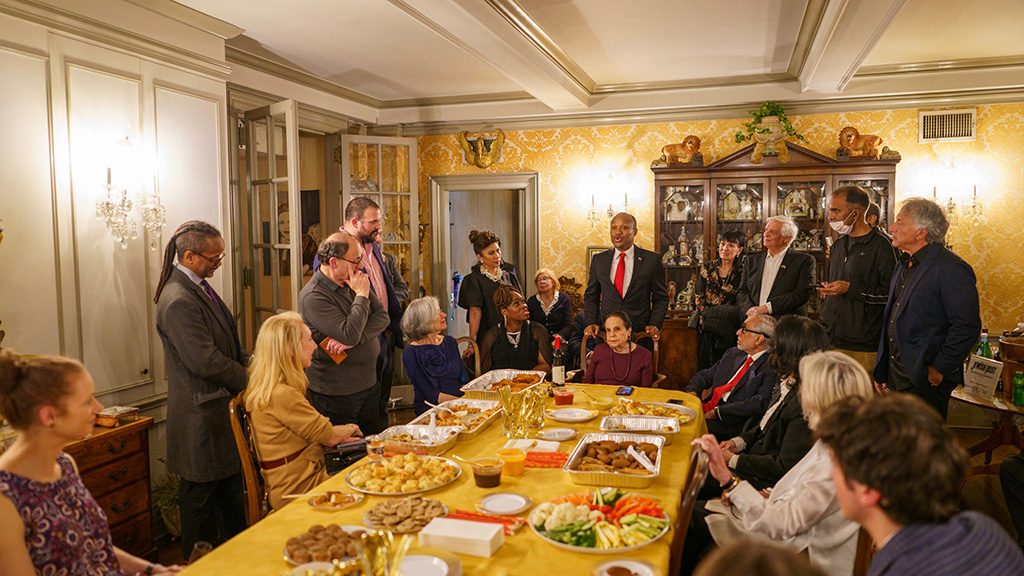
(506, 204)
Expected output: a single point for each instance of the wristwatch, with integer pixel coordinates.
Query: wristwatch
(733, 483)
(149, 569)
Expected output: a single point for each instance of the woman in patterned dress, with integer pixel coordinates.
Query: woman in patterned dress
(715, 300)
(49, 523)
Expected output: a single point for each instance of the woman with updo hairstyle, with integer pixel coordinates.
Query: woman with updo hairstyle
(516, 342)
(476, 293)
(49, 522)
(431, 359)
(288, 433)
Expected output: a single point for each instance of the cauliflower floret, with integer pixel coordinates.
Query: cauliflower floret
(566, 513)
(596, 515)
(541, 513)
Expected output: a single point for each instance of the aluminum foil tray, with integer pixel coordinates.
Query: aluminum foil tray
(424, 419)
(613, 479)
(442, 439)
(660, 425)
(477, 389)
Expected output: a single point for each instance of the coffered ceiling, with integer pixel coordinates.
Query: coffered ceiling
(439, 65)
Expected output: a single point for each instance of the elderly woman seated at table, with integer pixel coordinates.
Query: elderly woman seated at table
(516, 342)
(619, 361)
(431, 359)
(49, 522)
(288, 433)
(802, 510)
(549, 306)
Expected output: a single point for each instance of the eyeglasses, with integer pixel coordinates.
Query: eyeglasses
(747, 330)
(215, 260)
(356, 262)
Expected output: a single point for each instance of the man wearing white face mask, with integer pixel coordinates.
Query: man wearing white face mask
(860, 267)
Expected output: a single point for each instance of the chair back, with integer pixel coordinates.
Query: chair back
(255, 491)
(865, 552)
(476, 352)
(657, 379)
(695, 477)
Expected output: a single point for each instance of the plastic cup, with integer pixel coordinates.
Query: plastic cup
(487, 472)
(515, 460)
(563, 396)
(375, 446)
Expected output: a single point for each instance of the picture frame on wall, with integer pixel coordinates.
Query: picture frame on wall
(591, 252)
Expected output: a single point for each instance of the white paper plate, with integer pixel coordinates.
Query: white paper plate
(572, 414)
(325, 568)
(504, 503)
(557, 434)
(636, 567)
(423, 565)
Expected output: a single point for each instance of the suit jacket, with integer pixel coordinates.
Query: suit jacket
(749, 398)
(792, 287)
(205, 369)
(287, 424)
(646, 299)
(783, 442)
(398, 283)
(394, 304)
(937, 322)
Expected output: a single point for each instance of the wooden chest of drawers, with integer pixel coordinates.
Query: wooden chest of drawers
(114, 465)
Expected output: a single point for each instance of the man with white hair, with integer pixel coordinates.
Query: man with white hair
(932, 318)
(777, 281)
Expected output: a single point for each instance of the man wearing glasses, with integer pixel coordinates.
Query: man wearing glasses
(342, 311)
(205, 369)
(739, 385)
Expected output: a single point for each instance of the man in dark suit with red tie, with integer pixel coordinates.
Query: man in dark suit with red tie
(626, 278)
(777, 281)
(739, 385)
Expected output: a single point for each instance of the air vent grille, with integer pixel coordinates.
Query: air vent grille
(948, 125)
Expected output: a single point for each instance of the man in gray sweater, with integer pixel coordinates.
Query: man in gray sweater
(346, 319)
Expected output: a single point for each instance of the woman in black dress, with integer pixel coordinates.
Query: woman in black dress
(516, 343)
(550, 307)
(476, 293)
(718, 282)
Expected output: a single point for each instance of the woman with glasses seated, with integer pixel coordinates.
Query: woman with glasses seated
(431, 359)
(551, 307)
(619, 361)
(516, 342)
(288, 433)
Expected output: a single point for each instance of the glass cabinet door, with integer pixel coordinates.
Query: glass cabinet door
(878, 191)
(681, 239)
(805, 201)
(383, 169)
(740, 206)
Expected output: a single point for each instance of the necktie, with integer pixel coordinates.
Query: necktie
(721, 390)
(213, 296)
(620, 273)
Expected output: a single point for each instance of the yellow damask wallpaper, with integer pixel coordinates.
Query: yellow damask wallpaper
(608, 161)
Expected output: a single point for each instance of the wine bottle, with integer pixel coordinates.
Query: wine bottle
(558, 364)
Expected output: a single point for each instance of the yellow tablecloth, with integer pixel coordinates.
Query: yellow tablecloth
(258, 550)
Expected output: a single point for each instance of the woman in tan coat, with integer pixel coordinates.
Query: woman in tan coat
(288, 433)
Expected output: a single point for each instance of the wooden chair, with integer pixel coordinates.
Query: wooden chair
(658, 377)
(865, 552)
(255, 491)
(695, 478)
(476, 352)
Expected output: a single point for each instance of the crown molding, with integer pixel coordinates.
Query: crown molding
(77, 25)
(235, 55)
(190, 17)
(710, 112)
(942, 65)
(456, 100)
(311, 118)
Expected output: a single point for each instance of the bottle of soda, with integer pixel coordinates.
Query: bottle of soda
(984, 350)
(558, 364)
(1018, 389)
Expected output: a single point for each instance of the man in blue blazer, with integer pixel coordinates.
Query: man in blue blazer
(739, 385)
(932, 318)
(626, 278)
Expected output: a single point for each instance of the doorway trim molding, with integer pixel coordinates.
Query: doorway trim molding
(440, 238)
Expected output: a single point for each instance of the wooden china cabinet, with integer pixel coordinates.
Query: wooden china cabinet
(696, 204)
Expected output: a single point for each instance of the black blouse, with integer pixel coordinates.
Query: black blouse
(558, 321)
(478, 290)
(712, 289)
(498, 352)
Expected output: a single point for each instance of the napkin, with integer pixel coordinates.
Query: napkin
(542, 445)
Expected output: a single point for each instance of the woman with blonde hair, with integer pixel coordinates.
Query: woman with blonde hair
(550, 307)
(802, 510)
(288, 433)
(49, 522)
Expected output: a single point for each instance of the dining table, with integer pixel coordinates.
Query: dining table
(259, 549)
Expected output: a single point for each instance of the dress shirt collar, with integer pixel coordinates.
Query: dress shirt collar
(910, 260)
(756, 356)
(777, 257)
(629, 253)
(191, 275)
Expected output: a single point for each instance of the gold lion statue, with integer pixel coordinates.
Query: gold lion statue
(682, 153)
(867, 145)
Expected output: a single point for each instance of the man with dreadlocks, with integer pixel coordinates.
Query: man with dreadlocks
(205, 369)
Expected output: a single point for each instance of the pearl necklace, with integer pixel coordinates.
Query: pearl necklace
(493, 277)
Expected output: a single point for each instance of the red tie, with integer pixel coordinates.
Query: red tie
(620, 273)
(717, 395)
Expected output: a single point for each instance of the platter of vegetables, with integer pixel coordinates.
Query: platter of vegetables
(600, 521)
